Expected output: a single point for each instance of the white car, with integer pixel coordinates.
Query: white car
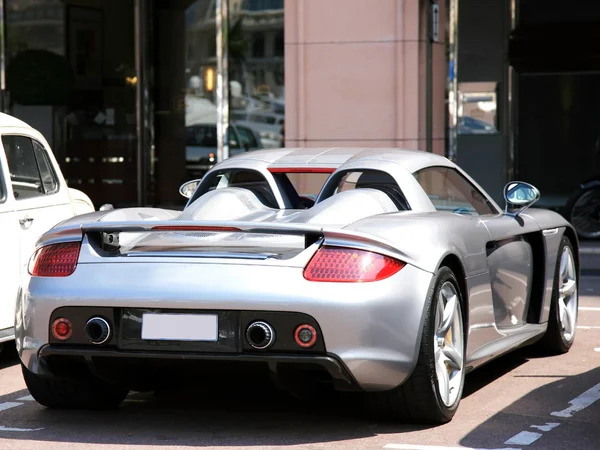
(33, 198)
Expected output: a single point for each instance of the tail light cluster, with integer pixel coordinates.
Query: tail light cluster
(55, 260)
(350, 265)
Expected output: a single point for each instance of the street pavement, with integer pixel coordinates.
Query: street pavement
(521, 401)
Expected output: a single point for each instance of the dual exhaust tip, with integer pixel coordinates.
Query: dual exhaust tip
(260, 335)
(98, 330)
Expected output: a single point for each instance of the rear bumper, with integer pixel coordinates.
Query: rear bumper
(371, 331)
(340, 376)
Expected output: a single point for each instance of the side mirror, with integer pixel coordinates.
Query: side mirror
(519, 196)
(188, 188)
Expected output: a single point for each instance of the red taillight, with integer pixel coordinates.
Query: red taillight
(55, 260)
(350, 265)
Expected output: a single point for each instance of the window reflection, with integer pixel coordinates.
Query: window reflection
(477, 108)
(71, 74)
(256, 69)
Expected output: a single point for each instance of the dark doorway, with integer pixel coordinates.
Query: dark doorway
(555, 51)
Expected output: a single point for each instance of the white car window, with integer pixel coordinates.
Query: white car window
(30, 171)
(49, 178)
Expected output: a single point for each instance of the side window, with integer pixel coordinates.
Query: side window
(24, 173)
(31, 173)
(49, 179)
(450, 191)
(2, 187)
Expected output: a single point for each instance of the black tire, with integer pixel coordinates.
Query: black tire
(553, 342)
(568, 213)
(418, 398)
(92, 394)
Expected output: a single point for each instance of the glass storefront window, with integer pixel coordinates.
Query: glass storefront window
(256, 69)
(85, 72)
(70, 73)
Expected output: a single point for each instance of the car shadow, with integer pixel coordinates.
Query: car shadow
(8, 355)
(238, 415)
(533, 413)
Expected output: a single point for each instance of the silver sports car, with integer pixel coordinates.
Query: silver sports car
(388, 273)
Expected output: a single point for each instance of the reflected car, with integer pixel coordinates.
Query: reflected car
(201, 145)
(402, 277)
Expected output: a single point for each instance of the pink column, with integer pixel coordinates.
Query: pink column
(355, 73)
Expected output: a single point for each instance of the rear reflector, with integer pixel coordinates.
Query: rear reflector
(55, 260)
(350, 265)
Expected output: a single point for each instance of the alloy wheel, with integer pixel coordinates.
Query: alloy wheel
(448, 345)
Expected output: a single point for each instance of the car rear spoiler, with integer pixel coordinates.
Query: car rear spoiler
(107, 233)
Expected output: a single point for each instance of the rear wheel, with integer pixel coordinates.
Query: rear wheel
(562, 322)
(434, 390)
(93, 394)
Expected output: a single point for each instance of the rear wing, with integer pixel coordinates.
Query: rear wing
(107, 233)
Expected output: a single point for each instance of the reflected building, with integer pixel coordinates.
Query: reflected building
(137, 96)
(126, 91)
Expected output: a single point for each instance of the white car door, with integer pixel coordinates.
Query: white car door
(10, 257)
(41, 196)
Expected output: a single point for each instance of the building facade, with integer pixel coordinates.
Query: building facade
(138, 96)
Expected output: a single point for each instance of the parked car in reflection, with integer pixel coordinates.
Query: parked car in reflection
(201, 145)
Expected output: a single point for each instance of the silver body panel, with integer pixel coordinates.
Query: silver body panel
(374, 329)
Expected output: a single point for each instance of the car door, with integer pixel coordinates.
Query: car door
(508, 254)
(10, 258)
(41, 200)
(510, 261)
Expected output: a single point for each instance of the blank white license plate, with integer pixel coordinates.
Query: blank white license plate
(180, 327)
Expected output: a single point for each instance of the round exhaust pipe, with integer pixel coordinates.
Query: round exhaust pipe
(97, 330)
(260, 335)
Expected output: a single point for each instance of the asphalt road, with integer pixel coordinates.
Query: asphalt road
(521, 401)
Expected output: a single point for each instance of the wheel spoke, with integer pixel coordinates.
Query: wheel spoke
(448, 317)
(443, 379)
(562, 312)
(564, 259)
(568, 288)
(567, 322)
(454, 359)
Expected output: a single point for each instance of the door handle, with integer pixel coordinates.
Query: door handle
(26, 222)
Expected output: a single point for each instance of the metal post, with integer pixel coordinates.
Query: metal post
(140, 96)
(222, 25)
(3, 93)
(429, 79)
(452, 6)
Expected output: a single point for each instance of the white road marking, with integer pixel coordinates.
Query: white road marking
(578, 403)
(547, 427)
(597, 349)
(7, 405)
(524, 438)
(18, 429)
(435, 447)
(585, 327)
(27, 398)
(589, 308)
